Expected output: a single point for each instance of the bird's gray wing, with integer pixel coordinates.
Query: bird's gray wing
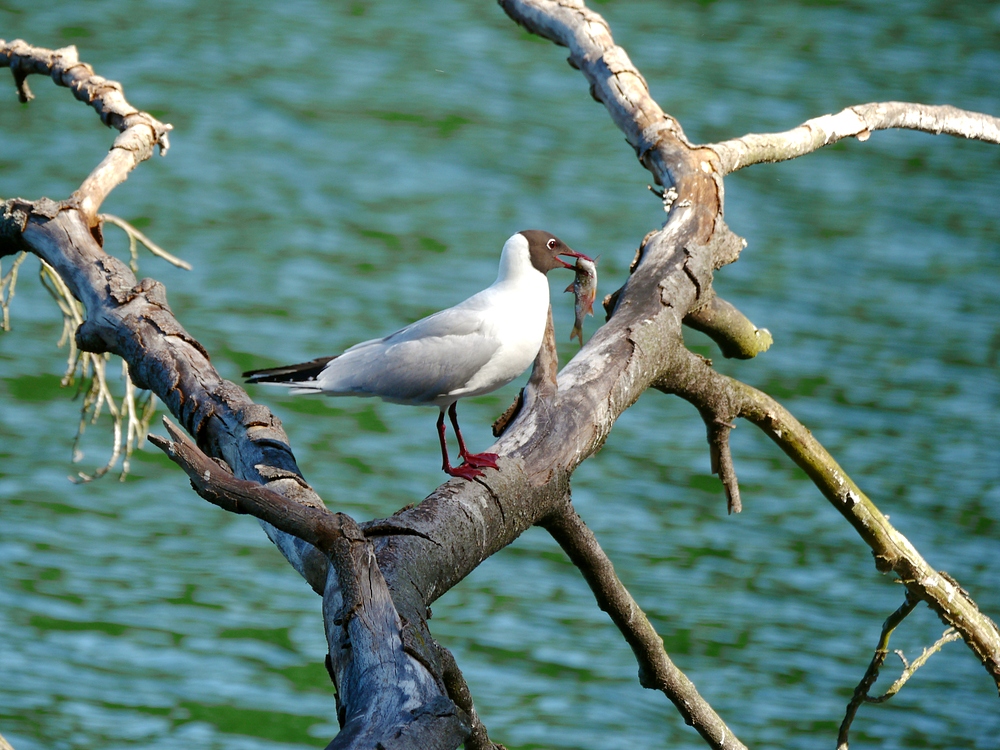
(428, 359)
(464, 319)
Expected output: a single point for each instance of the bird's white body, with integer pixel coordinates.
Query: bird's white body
(472, 348)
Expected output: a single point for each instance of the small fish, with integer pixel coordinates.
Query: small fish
(584, 286)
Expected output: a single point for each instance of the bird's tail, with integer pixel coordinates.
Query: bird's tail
(299, 374)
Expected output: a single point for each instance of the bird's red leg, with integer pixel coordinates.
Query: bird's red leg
(466, 470)
(478, 460)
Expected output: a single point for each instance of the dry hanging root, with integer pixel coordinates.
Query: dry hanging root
(130, 417)
(7, 283)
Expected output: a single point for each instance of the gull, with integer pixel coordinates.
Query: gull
(470, 349)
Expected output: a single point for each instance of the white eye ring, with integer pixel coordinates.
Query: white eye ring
(551, 244)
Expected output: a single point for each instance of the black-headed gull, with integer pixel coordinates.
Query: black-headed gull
(467, 350)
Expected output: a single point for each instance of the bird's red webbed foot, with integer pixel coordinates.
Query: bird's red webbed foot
(465, 471)
(481, 460)
(473, 461)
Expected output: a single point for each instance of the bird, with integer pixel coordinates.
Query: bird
(467, 350)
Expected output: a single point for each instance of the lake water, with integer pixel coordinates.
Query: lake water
(340, 169)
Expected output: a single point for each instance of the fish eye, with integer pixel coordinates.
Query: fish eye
(551, 244)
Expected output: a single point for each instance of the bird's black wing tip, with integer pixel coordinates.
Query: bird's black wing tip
(297, 373)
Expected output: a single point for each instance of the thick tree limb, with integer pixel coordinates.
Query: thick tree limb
(387, 695)
(859, 122)
(656, 670)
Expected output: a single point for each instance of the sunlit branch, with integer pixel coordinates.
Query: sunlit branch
(135, 237)
(695, 381)
(139, 131)
(8, 284)
(858, 122)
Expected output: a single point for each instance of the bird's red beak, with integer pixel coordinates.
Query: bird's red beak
(572, 254)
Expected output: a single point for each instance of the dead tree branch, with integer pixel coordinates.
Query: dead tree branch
(139, 131)
(878, 659)
(859, 121)
(386, 692)
(695, 381)
(656, 670)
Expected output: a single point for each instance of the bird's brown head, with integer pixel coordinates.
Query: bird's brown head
(545, 249)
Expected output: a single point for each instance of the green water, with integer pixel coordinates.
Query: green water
(339, 169)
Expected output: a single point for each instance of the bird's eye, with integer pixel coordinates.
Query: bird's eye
(551, 244)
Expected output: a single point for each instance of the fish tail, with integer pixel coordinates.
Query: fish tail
(576, 333)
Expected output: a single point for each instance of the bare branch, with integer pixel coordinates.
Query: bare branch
(386, 693)
(871, 674)
(656, 670)
(722, 458)
(658, 139)
(217, 484)
(948, 636)
(881, 652)
(376, 589)
(859, 122)
(736, 336)
(139, 131)
(8, 284)
(134, 235)
(694, 380)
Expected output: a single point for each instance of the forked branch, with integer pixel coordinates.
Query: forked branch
(878, 659)
(695, 381)
(387, 691)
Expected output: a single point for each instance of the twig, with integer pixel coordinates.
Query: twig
(722, 458)
(872, 673)
(91, 369)
(134, 235)
(7, 285)
(948, 636)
